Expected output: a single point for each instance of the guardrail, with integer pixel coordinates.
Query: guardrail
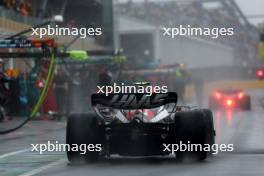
(211, 74)
(236, 84)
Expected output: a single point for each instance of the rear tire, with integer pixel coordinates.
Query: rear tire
(210, 131)
(194, 127)
(83, 129)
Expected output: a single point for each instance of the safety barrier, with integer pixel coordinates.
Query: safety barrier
(236, 84)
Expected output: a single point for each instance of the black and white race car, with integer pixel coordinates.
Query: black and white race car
(139, 125)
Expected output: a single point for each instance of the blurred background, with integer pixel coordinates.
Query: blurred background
(132, 48)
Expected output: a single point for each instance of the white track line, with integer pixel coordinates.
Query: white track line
(13, 153)
(40, 169)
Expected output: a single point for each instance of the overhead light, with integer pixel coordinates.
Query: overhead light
(58, 18)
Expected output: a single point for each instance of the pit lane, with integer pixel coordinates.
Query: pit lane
(244, 129)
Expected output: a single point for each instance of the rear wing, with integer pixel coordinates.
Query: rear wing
(134, 101)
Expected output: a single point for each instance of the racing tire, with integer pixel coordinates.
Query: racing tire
(192, 129)
(83, 129)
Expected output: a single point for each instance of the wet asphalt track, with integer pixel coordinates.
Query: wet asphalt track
(243, 129)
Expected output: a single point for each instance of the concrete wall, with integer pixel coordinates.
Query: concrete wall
(196, 53)
(128, 26)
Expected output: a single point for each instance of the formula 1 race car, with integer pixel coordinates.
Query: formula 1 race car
(230, 99)
(260, 73)
(139, 125)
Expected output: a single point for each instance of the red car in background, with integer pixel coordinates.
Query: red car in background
(260, 73)
(230, 99)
